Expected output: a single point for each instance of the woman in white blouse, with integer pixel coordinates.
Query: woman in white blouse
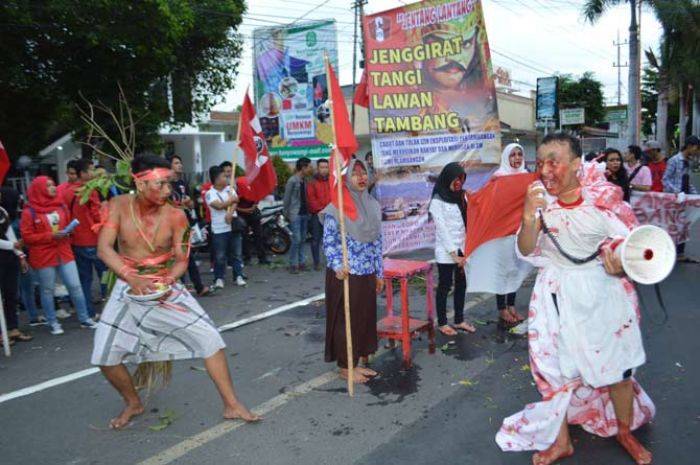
(448, 210)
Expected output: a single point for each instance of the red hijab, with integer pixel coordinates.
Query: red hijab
(38, 196)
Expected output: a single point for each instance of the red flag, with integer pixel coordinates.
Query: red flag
(259, 170)
(345, 143)
(4, 163)
(496, 210)
(362, 92)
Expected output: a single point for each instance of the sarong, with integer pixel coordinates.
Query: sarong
(139, 332)
(363, 318)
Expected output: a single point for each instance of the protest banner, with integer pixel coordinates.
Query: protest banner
(664, 210)
(432, 101)
(290, 87)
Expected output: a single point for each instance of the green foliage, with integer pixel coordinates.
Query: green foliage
(586, 92)
(283, 171)
(56, 53)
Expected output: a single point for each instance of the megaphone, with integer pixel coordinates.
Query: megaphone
(647, 254)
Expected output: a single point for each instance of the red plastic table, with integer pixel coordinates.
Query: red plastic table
(405, 328)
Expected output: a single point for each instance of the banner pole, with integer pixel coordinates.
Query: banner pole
(343, 242)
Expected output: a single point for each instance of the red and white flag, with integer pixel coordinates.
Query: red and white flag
(345, 144)
(4, 163)
(259, 169)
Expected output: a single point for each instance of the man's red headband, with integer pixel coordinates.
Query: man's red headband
(153, 174)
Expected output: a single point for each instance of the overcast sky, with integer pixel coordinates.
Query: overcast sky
(530, 38)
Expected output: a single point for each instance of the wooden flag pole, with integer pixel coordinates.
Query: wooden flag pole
(343, 241)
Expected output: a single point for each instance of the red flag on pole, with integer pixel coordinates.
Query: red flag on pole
(259, 170)
(362, 92)
(345, 143)
(4, 163)
(496, 209)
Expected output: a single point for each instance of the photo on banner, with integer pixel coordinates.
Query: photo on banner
(432, 100)
(290, 87)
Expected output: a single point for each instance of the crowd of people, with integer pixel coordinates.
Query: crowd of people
(75, 233)
(40, 250)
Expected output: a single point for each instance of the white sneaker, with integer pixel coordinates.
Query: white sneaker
(219, 284)
(88, 324)
(56, 329)
(240, 281)
(62, 314)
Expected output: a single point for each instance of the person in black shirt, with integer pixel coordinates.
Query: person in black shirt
(181, 197)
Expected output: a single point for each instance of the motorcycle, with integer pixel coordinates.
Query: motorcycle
(276, 235)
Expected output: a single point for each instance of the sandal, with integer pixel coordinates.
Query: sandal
(19, 336)
(447, 330)
(469, 328)
(12, 342)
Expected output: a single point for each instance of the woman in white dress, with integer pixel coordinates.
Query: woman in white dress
(448, 210)
(512, 162)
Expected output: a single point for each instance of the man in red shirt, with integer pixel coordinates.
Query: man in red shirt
(84, 239)
(318, 195)
(657, 165)
(72, 176)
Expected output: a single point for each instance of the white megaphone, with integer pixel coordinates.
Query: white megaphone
(647, 254)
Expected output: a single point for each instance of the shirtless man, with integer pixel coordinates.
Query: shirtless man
(150, 236)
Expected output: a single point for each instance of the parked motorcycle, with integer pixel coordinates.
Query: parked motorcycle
(276, 235)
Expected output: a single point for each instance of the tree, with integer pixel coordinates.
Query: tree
(593, 10)
(676, 65)
(173, 58)
(586, 92)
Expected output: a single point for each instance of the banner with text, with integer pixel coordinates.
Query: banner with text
(664, 211)
(290, 87)
(432, 101)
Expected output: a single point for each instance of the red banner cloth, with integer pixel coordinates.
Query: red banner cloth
(361, 97)
(4, 163)
(345, 143)
(259, 170)
(496, 209)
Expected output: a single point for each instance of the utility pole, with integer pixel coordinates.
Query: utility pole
(358, 7)
(619, 67)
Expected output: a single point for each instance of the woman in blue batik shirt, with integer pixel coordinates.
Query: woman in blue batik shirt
(364, 270)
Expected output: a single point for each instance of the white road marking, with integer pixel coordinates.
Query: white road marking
(91, 371)
(198, 440)
(226, 327)
(269, 313)
(48, 384)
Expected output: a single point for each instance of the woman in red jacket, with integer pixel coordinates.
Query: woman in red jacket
(42, 226)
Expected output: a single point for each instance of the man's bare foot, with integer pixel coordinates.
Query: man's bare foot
(366, 371)
(129, 412)
(634, 448)
(464, 326)
(447, 330)
(240, 412)
(357, 376)
(516, 316)
(556, 451)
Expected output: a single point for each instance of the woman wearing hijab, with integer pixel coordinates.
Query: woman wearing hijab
(448, 210)
(12, 261)
(43, 224)
(512, 162)
(364, 244)
(616, 173)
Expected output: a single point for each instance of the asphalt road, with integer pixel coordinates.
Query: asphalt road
(446, 409)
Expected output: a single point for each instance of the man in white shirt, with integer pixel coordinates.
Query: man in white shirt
(226, 240)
